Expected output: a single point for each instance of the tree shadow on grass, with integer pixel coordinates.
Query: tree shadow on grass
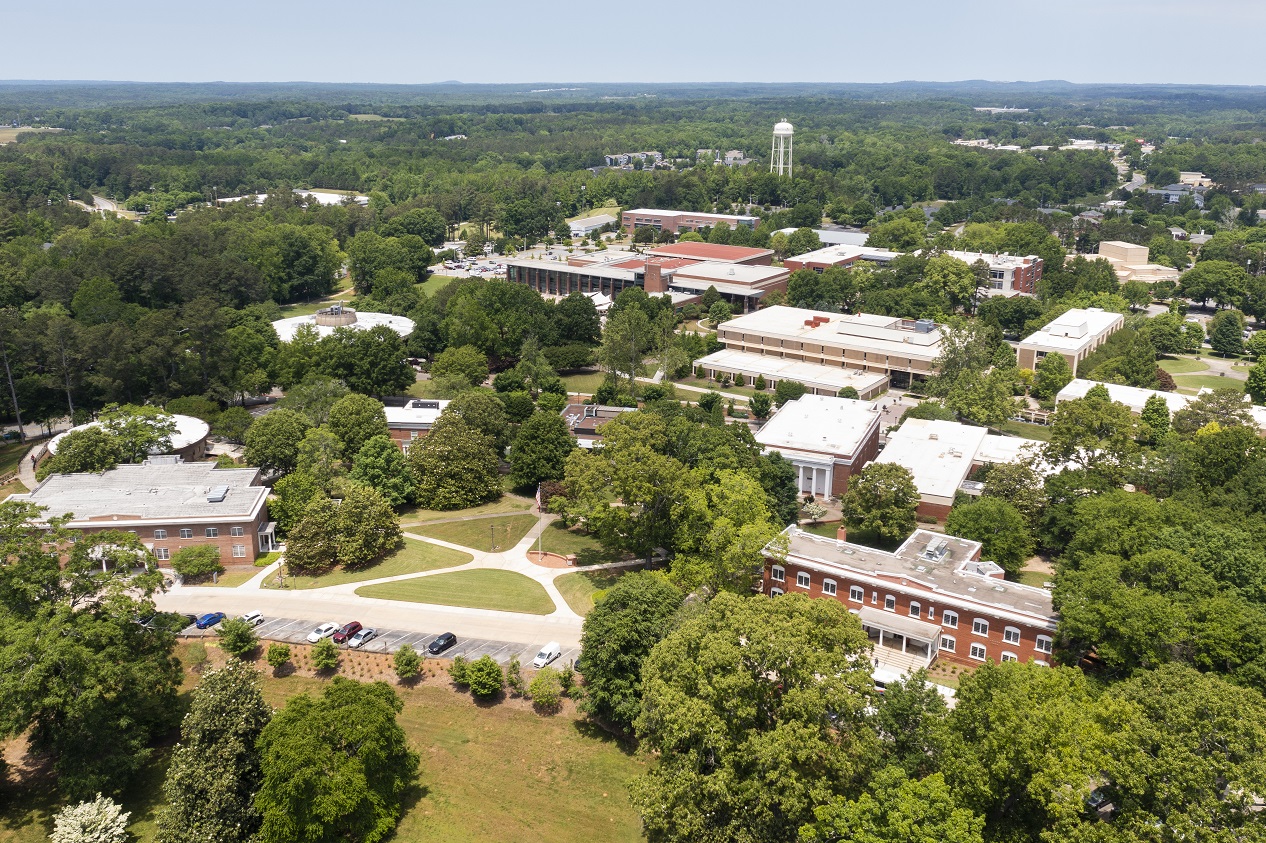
(595, 730)
(408, 801)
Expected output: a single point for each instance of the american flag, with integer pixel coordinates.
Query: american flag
(538, 497)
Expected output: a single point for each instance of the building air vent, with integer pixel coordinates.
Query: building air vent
(217, 494)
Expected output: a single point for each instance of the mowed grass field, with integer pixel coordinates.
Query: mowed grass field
(506, 504)
(8, 134)
(487, 534)
(503, 591)
(414, 557)
(488, 774)
(1192, 384)
(580, 589)
(1182, 365)
(556, 538)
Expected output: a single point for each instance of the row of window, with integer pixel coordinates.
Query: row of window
(209, 532)
(978, 652)
(239, 552)
(949, 619)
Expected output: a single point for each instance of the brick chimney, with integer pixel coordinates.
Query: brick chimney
(655, 280)
(841, 534)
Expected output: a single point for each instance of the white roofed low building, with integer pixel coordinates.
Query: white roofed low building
(588, 225)
(827, 439)
(412, 420)
(1074, 334)
(189, 441)
(329, 319)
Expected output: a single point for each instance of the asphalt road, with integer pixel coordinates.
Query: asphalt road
(421, 619)
(295, 631)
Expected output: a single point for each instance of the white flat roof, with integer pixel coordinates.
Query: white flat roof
(730, 273)
(840, 253)
(188, 431)
(596, 222)
(821, 423)
(420, 413)
(993, 259)
(868, 332)
(782, 368)
(938, 454)
(1074, 330)
(663, 213)
(832, 237)
(1131, 396)
(326, 196)
(286, 328)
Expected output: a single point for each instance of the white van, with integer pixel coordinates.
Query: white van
(548, 653)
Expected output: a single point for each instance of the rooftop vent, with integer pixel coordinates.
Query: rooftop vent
(924, 326)
(217, 494)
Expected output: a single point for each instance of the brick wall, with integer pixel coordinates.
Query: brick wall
(173, 542)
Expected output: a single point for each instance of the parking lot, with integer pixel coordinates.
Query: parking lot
(294, 631)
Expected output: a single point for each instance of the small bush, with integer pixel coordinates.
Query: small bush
(547, 690)
(568, 679)
(407, 662)
(237, 637)
(759, 383)
(278, 654)
(514, 677)
(457, 670)
(484, 677)
(325, 654)
(197, 656)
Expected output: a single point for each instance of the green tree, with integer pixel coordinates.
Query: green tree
(237, 637)
(278, 654)
(546, 690)
(882, 500)
(272, 442)
(312, 543)
(92, 449)
(1051, 375)
(1019, 485)
(365, 527)
(407, 662)
(722, 530)
(233, 424)
(951, 279)
(355, 419)
(197, 562)
(1093, 433)
(380, 465)
(900, 235)
(624, 342)
(788, 391)
(101, 820)
(576, 320)
(1222, 281)
(984, 399)
(314, 397)
(1256, 384)
(802, 241)
(215, 771)
(484, 412)
(897, 809)
(455, 467)
(540, 450)
(484, 677)
(619, 632)
(320, 456)
(720, 312)
(325, 654)
(458, 369)
(849, 392)
(337, 767)
(760, 405)
(291, 496)
(748, 692)
(140, 431)
(1154, 420)
(1226, 332)
(1225, 406)
(999, 527)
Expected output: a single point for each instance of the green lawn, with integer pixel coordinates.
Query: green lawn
(414, 557)
(588, 551)
(1182, 365)
(11, 454)
(1040, 432)
(826, 528)
(423, 389)
(267, 559)
(482, 533)
(585, 382)
(435, 283)
(233, 579)
(1195, 383)
(1035, 578)
(486, 774)
(506, 504)
(503, 591)
(578, 589)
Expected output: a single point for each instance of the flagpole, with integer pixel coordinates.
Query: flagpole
(540, 517)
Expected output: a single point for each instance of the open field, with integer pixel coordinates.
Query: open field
(8, 134)
(503, 591)
(414, 557)
(1182, 365)
(1194, 383)
(435, 283)
(585, 382)
(1024, 430)
(422, 389)
(506, 504)
(588, 551)
(578, 589)
(374, 118)
(482, 534)
(488, 773)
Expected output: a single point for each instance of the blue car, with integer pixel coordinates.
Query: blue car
(209, 619)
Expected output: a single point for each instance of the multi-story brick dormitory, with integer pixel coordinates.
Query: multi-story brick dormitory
(932, 598)
(168, 504)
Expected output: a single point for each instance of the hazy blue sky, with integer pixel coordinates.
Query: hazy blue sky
(730, 40)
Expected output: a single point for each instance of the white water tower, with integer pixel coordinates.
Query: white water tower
(780, 155)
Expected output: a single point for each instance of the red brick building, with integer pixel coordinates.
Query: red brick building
(679, 221)
(933, 598)
(412, 420)
(168, 504)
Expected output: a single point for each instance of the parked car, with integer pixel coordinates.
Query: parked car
(209, 620)
(325, 630)
(548, 653)
(363, 637)
(346, 632)
(253, 618)
(442, 643)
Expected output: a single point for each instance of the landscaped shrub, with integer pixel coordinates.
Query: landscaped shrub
(484, 677)
(278, 655)
(546, 690)
(407, 662)
(325, 654)
(457, 670)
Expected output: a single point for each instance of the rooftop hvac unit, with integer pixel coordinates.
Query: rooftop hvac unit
(217, 494)
(924, 326)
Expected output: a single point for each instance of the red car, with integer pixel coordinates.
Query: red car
(347, 631)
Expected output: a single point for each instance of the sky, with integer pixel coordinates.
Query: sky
(397, 41)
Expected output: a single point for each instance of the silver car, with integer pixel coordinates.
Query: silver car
(362, 637)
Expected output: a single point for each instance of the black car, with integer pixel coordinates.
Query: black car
(442, 643)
